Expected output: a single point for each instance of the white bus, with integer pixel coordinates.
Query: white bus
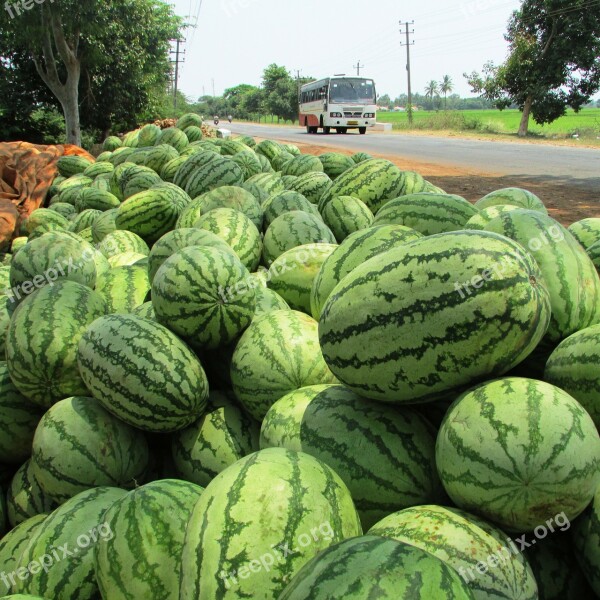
(338, 102)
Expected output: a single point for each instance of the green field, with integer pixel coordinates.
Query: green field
(586, 123)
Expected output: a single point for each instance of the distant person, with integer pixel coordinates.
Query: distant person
(216, 120)
(230, 118)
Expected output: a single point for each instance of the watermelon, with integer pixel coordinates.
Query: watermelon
(286, 201)
(311, 185)
(300, 165)
(487, 560)
(291, 274)
(25, 498)
(593, 252)
(334, 163)
(515, 196)
(564, 265)
(281, 160)
(78, 445)
(369, 567)
(384, 456)
(148, 135)
(104, 225)
(193, 133)
(483, 217)
(123, 288)
(98, 168)
(144, 559)
(53, 257)
(120, 241)
(91, 198)
(42, 229)
(246, 139)
(287, 180)
(427, 213)
(294, 229)
(120, 155)
(586, 231)
(426, 331)
(235, 228)
(373, 181)
(231, 197)
(217, 172)
(111, 143)
(132, 138)
(353, 252)
(361, 157)
(159, 156)
(140, 182)
(529, 452)
(18, 420)
(231, 146)
(64, 209)
(413, 183)
(573, 367)
(189, 120)
(177, 240)
(71, 165)
(44, 216)
(277, 354)
(169, 170)
(5, 303)
(173, 137)
(247, 541)
(125, 259)
(162, 386)
(249, 163)
(202, 294)
(42, 341)
(146, 311)
(269, 148)
(267, 301)
(11, 548)
(344, 215)
(70, 532)
(222, 436)
(586, 536)
(263, 185)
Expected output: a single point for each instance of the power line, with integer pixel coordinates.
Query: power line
(176, 62)
(358, 67)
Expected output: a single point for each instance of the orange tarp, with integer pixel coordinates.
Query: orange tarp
(26, 173)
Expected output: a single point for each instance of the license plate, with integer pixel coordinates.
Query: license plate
(352, 122)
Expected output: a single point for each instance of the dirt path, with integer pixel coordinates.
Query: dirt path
(564, 202)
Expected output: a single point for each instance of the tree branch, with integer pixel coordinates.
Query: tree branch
(550, 39)
(67, 55)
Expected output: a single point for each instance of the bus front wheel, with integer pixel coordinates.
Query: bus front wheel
(362, 130)
(326, 130)
(341, 129)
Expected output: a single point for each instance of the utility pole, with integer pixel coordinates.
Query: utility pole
(176, 62)
(213, 87)
(408, 44)
(358, 67)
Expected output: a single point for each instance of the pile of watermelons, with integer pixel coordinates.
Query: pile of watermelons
(232, 370)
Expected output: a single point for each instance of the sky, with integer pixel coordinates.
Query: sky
(234, 40)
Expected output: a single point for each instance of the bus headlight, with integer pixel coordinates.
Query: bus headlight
(369, 115)
(336, 115)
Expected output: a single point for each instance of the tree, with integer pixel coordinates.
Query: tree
(446, 86)
(112, 56)
(280, 93)
(431, 90)
(553, 61)
(385, 101)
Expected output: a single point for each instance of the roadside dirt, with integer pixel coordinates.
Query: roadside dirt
(566, 201)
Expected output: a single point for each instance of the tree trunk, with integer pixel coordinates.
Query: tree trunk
(524, 126)
(70, 106)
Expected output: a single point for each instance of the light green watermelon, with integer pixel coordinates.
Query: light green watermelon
(512, 195)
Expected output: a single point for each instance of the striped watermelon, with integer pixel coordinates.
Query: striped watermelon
(145, 311)
(276, 355)
(235, 540)
(311, 185)
(44, 216)
(300, 165)
(75, 527)
(159, 156)
(249, 162)
(5, 303)
(269, 148)
(189, 120)
(140, 182)
(483, 217)
(169, 170)
(344, 215)
(132, 138)
(281, 160)
(267, 301)
(55, 256)
(125, 259)
(231, 197)
(486, 559)
(586, 231)
(194, 163)
(413, 183)
(64, 209)
(121, 241)
(71, 165)
(292, 273)
(235, 228)
(288, 180)
(222, 436)
(334, 163)
(369, 567)
(427, 213)
(162, 384)
(143, 559)
(84, 219)
(248, 140)
(283, 202)
(373, 181)
(79, 445)
(265, 164)
(220, 171)
(148, 135)
(361, 157)
(123, 288)
(111, 143)
(18, 420)
(263, 185)
(426, 329)
(529, 452)
(91, 198)
(384, 456)
(173, 137)
(573, 367)
(564, 266)
(120, 155)
(104, 225)
(25, 498)
(294, 229)
(98, 168)
(42, 341)
(42, 229)
(11, 548)
(177, 240)
(515, 196)
(593, 252)
(193, 133)
(202, 294)
(231, 146)
(586, 539)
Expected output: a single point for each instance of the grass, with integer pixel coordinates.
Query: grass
(586, 123)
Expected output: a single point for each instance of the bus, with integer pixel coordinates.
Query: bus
(339, 103)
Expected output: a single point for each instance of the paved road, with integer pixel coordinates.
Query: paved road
(576, 166)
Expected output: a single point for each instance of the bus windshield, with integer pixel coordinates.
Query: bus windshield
(358, 91)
